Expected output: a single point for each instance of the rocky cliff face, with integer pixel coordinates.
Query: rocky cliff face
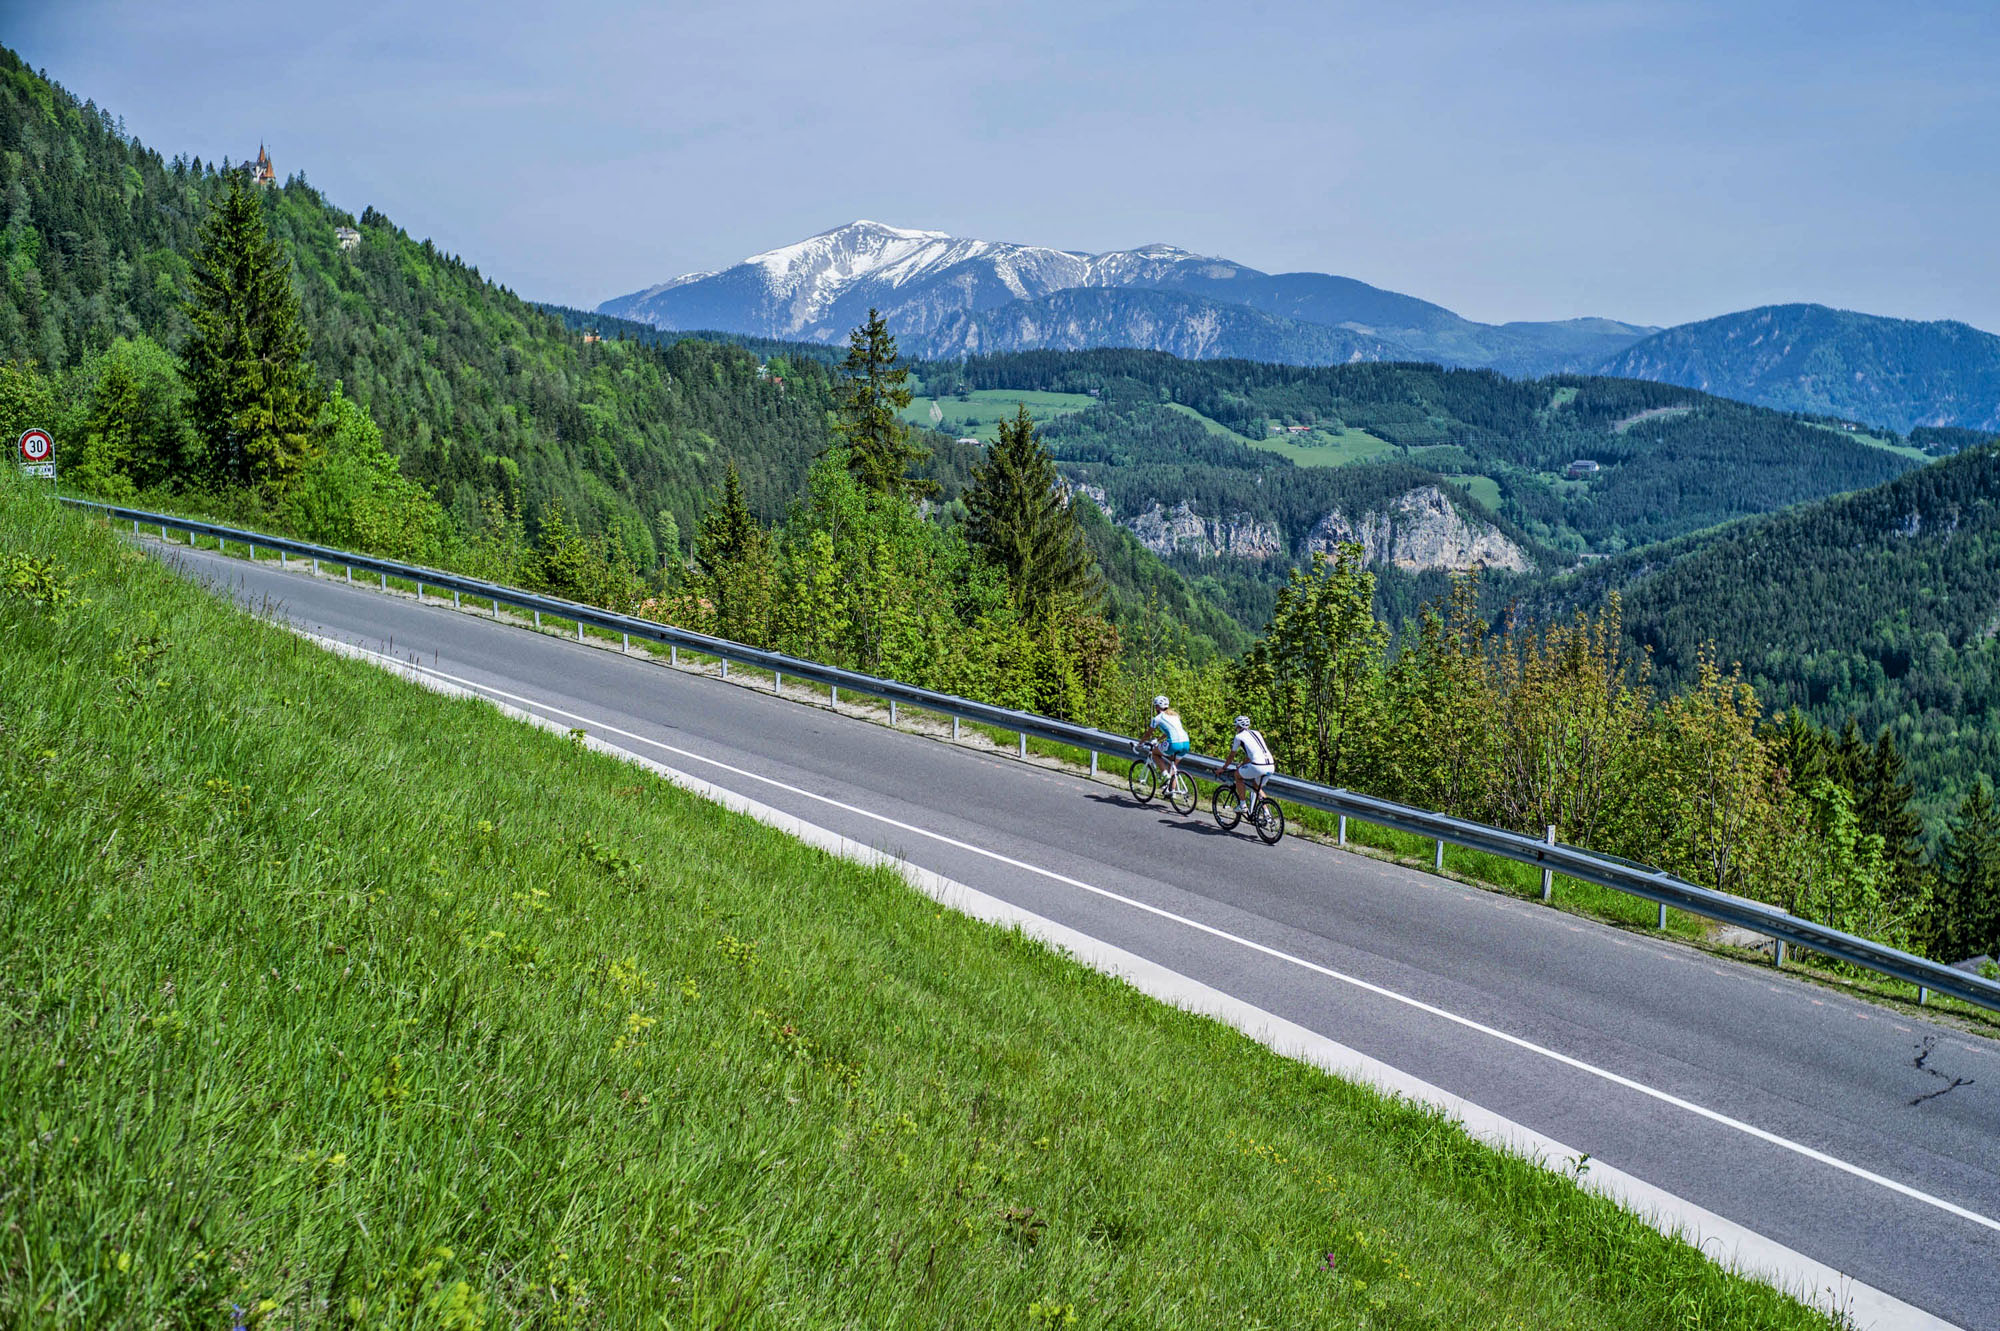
(1180, 530)
(1419, 530)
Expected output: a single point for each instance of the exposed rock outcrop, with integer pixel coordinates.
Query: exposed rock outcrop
(1181, 530)
(1419, 530)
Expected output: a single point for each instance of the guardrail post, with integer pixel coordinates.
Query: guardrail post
(892, 711)
(579, 630)
(1024, 743)
(1093, 762)
(1548, 875)
(954, 730)
(315, 566)
(725, 666)
(1663, 917)
(420, 591)
(1437, 864)
(350, 571)
(454, 599)
(135, 526)
(777, 681)
(283, 562)
(385, 581)
(253, 554)
(538, 619)
(625, 643)
(1923, 995)
(496, 607)
(833, 691)
(1778, 953)
(673, 654)
(163, 531)
(1343, 829)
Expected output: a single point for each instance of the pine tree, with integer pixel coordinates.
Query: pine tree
(1021, 520)
(252, 395)
(732, 558)
(1968, 910)
(872, 393)
(1885, 802)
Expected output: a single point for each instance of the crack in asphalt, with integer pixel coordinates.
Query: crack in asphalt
(1922, 1061)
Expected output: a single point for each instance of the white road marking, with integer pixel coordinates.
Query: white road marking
(1742, 1249)
(1605, 1074)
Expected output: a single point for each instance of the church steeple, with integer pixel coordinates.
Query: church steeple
(264, 173)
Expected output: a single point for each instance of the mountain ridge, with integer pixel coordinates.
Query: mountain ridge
(817, 288)
(952, 296)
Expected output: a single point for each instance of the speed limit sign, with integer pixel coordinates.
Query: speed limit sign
(38, 453)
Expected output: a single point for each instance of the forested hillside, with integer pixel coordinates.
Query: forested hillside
(1897, 373)
(1881, 607)
(1670, 460)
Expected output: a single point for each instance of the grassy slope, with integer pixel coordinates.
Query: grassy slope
(333, 999)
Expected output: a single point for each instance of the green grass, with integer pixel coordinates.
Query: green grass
(348, 1004)
(1325, 448)
(1484, 490)
(1208, 423)
(988, 406)
(1877, 441)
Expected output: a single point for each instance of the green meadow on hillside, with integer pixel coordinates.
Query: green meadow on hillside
(977, 415)
(336, 1002)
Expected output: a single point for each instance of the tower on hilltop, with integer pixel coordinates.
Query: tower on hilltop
(263, 173)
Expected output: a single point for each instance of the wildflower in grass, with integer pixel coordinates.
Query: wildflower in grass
(636, 1026)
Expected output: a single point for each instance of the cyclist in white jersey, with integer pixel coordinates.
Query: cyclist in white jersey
(1256, 763)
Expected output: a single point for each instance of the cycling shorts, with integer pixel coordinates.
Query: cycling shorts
(1179, 748)
(1257, 771)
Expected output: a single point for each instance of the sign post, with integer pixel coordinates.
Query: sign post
(38, 454)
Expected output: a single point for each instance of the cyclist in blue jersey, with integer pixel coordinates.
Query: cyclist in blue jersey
(1170, 736)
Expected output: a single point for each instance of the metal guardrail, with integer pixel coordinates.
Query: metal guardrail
(1553, 858)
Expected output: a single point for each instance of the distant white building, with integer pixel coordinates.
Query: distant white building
(970, 440)
(347, 236)
(1581, 469)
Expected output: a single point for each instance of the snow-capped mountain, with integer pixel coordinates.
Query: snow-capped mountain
(931, 285)
(821, 286)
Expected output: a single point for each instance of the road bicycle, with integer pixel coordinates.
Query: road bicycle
(1267, 820)
(1148, 778)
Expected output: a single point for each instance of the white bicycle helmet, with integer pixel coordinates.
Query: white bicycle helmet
(1242, 723)
(1160, 703)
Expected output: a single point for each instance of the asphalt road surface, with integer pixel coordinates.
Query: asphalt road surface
(1814, 1119)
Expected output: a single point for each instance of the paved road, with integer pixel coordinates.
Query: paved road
(1762, 1098)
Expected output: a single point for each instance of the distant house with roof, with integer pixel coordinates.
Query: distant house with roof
(263, 173)
(1582, 469)
(347, 237)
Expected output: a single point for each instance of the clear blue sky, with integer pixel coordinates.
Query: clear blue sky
(1656, 160)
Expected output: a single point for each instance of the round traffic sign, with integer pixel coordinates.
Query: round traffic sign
(36, 446)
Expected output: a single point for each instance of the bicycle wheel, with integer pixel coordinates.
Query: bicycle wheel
(1227, 809)
(1180, 793)
(1269, 821)
(1143, 780)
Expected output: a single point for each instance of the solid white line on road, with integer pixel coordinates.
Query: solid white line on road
(1605, 1074)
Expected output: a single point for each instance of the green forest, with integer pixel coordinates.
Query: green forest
(1879, 607)
(197, 340)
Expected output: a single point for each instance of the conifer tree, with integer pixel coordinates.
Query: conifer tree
(251, 389)
(732, 557)
(872, 393)
(1021, 520)
(1968, 911)
(1885, 803)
